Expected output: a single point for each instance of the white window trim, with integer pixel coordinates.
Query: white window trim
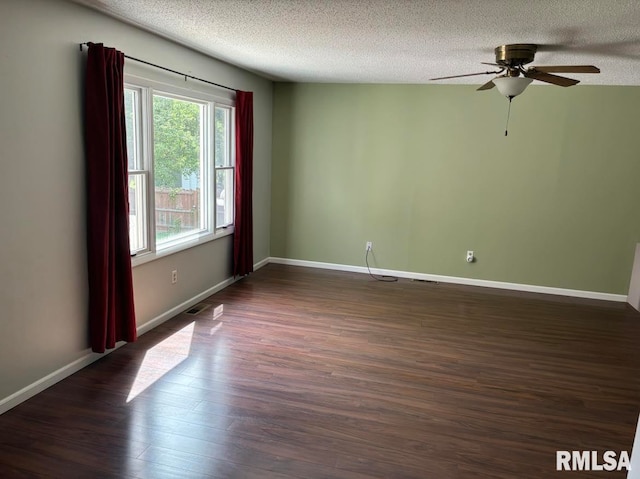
(149, 256)
(232, 161)
(154, 82)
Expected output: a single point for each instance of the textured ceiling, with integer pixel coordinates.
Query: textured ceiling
(394, 41)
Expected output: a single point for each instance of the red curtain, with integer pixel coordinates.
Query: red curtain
(111, 310)
(243, 223)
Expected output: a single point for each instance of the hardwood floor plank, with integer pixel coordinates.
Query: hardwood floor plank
(323, 374)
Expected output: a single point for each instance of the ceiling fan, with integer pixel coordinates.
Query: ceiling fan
(513, 77)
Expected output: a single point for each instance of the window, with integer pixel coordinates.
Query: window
(178, 167)
(181, 166)
(138, 177)
(223, 166)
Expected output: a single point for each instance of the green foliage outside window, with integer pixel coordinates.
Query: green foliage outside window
(176, 130)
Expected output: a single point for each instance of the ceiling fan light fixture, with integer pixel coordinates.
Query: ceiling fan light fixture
(511, 86)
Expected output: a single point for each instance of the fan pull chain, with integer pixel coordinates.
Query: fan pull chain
(506, 128)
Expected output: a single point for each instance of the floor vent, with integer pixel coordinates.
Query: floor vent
(197, 309)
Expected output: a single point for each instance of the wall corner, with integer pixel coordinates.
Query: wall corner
(634, 284)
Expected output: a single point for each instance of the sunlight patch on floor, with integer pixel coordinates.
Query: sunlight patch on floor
(162, 358)
(213, 330)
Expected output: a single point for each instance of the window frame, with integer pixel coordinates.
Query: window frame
(148, 83)
(141, 168)
(230, 167)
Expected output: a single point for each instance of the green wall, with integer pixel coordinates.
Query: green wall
(426, 173)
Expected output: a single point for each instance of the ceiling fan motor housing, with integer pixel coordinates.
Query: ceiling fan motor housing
(515, 55)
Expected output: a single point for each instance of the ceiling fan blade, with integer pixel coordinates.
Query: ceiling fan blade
(549, 78)
(492, 64)
(466, 75)
(568, 69)
(487, 86)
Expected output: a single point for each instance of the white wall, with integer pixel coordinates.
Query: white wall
(43, 280)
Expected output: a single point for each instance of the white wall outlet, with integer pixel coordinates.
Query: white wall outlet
(174, 276)
(368, 246)
(470, 257)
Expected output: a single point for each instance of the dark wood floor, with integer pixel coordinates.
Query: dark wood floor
(320, 374)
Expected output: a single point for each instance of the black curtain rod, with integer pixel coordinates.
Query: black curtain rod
(170, 70)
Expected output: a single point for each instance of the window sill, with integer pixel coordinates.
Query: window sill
(146, 257)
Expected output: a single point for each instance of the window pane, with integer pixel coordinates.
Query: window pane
(224, 197)
(222, 152)
(132, 113)
(137, 216)
(177, 129)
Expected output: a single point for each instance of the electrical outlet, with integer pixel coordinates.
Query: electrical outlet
(174, 276)
(369, 246)
(470, 256)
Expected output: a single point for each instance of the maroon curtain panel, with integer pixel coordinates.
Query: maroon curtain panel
(243, 223)
(111, 309)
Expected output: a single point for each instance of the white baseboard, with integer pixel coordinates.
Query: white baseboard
(69, 369)
(75, 366)
(456, 280)
(167, 315)
(49, 380)
(261, 263)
